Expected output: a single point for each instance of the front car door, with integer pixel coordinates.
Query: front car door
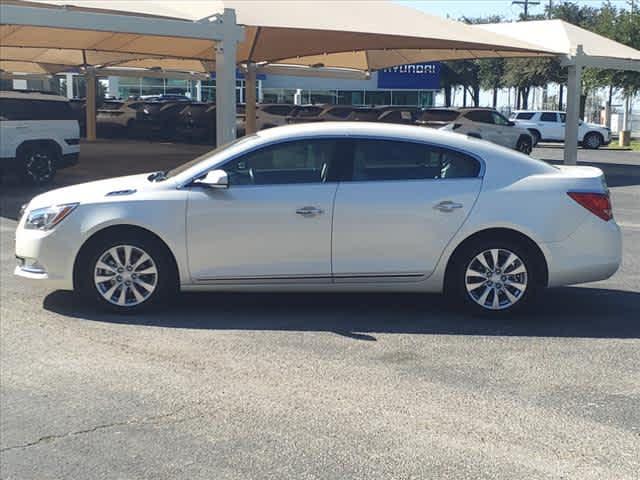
(274, 220)
(550, 127)
(403, 203)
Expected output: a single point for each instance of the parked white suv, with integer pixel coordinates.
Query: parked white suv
(549, 126)
(39, 134)
(484, 123)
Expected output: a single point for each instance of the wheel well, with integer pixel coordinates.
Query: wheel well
(593, 132)
(534, 131)
(526, 138)
(502, 233)
(50, 144)
(119, 230)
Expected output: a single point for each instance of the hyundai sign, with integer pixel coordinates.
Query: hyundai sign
(418, 76)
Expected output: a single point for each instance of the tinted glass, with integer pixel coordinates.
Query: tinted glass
(482, 116)
(499, 119)
(340, 112)
(563, 117)
(525, 116)
(278, 110)
(111, 105)
(548, 117)
(377, 160)
(18, 109)
(307, 111)
(286, 163)
(439, 115)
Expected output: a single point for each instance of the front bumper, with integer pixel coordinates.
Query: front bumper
(45, 256)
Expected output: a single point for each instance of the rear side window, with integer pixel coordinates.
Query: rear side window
(281, 110)
(24, 110)
(439, 116)
(481, 116)
(340, 112)
(380, 160)
(524, 116)
(549, 117)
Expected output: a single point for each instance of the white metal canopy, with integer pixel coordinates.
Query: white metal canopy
(580, 48)
(304, 33)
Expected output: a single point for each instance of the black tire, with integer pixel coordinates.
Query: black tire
(464, 259)
(166, 278)
(38, 164)
(592, 141)
(525, 145)
(535, 136)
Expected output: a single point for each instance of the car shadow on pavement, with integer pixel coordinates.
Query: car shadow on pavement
(563, 312)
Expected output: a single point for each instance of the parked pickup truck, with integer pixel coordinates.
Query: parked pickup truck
(549, 126)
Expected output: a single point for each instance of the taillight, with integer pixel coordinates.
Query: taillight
(597, 203)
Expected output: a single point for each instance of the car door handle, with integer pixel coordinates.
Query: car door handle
(309, 211)
(448, 206)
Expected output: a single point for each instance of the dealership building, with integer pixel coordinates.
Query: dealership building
(407, 85)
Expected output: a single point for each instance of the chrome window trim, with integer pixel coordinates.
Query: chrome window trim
(346, 136)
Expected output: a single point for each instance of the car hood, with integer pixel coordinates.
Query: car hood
(101, 190)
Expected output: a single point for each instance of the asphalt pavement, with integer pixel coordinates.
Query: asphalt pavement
(319, 386)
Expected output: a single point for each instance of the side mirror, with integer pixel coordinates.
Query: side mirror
(214, 179)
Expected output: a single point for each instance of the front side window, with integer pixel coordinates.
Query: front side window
(304, 161)
(381, 160)
(499, 119)
(548, 117)
(524, 116)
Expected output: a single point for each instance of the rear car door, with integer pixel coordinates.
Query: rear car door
(483, 124)
(274, 220)
(505, 130)
(400, 207)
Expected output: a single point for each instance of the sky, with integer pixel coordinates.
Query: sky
(456, 9)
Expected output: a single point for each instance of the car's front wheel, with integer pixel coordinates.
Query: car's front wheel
(592, 141)
(525, 145)
(38, 165)
(127, 273)
(493, 276)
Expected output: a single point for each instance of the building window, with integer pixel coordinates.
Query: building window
(377, 97)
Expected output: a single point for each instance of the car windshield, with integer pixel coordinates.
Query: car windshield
(159, 176)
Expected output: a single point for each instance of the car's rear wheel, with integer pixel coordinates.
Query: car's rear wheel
(127, 273)
(494, 276)
(592, 141)
(525, 145)
(39, 164)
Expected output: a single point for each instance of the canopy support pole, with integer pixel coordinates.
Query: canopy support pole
(574, 89)
(250, 98)
(90, 80)
(226, 79)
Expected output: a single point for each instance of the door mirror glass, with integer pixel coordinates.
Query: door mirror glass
(214, 179)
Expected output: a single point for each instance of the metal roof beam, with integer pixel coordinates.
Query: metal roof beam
(60, 17)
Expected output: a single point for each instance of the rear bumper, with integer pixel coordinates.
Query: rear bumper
(592, 253)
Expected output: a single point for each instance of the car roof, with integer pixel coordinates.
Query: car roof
(32, 95)
(376, 130)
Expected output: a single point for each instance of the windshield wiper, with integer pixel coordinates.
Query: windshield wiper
(157, 176)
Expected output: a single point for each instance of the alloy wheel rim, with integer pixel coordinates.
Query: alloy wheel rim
(496, 279)
(125, 275)
(593, 141)
(39, 166)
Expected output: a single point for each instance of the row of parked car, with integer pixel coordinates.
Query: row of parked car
(40, 132)
(182, 120)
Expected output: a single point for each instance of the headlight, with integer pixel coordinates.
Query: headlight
(48, 217)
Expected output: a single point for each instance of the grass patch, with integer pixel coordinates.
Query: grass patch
(635, 145)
